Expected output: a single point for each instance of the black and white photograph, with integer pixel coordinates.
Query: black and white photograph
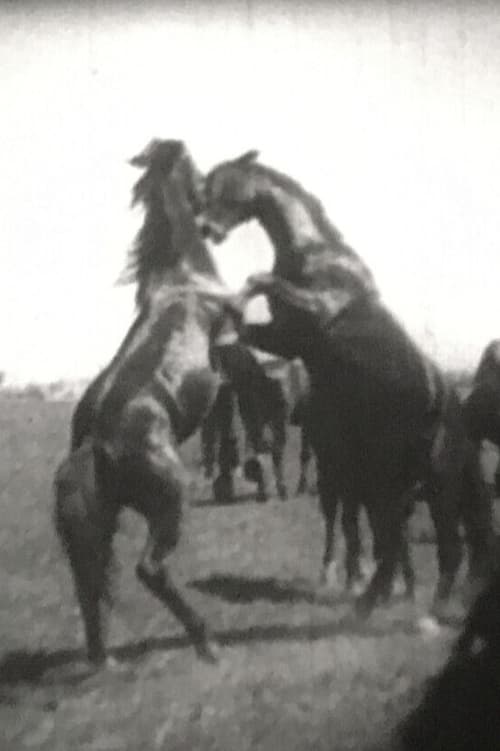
(250, 375)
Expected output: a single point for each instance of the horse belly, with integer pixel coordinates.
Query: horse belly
(363, 455)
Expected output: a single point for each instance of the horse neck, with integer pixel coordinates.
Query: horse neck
(300, 232)
(170, 251)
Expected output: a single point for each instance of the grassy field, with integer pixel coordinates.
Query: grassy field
(296, 671)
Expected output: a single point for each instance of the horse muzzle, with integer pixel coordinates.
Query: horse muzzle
(228, 337)
(211, 229)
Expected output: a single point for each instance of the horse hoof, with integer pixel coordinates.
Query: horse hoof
(223, 490)
(283, 494)
(355, 588)
(107, 664)
(398, 588)
(409, 595)
(440, 611)
(328, 578)
(429, 626)
(113, 665)
(252, 470)
(363, 608)
(208, 651)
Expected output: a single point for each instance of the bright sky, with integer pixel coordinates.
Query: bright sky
(388, 111)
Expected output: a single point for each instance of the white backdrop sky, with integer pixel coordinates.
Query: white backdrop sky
(388, 111)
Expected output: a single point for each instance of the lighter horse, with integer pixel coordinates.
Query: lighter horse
(153, 395)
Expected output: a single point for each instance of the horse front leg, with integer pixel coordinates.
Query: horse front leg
(268, 337)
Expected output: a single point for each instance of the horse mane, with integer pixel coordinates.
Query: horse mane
(169, 233)
(327, 228)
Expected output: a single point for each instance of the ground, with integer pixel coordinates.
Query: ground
(296, 671)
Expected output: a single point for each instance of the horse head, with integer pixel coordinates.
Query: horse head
(168, 162)
(171, 192)
(230, 190)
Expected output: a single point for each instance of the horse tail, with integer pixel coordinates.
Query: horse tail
(85, 522)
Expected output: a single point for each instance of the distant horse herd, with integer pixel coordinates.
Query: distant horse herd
(380, 417)
(268, 392)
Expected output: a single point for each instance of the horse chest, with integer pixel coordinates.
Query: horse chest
(186, 352)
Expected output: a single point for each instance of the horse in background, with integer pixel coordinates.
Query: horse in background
(459, 708)
(269, 393)
(216, 442)
(153, 395)
(383, 418)
(482, 405)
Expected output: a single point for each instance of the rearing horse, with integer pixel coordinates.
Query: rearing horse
(383, 417)
(153, 395)
(242, 189)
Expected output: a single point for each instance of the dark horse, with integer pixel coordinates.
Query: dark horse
(482, 406)
(383, 417)
(153, 395)
(271, 393)
(459, 708)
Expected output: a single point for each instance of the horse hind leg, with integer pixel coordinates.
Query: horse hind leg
(350, 528)
(406, 564)
(228, 459)
(278, 452)
(152, 570)
(387, 526)
(222, 426)
(444, 511)
(306, 455)
(86, 525)
(328, 502)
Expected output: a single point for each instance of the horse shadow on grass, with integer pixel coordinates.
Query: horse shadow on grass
(37, 667)
(245, 589)
(56, 668)
(237, 500)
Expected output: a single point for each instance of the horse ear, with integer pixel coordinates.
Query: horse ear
(138, 161)
(248, 156)
(143, 159)
(157, 149)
